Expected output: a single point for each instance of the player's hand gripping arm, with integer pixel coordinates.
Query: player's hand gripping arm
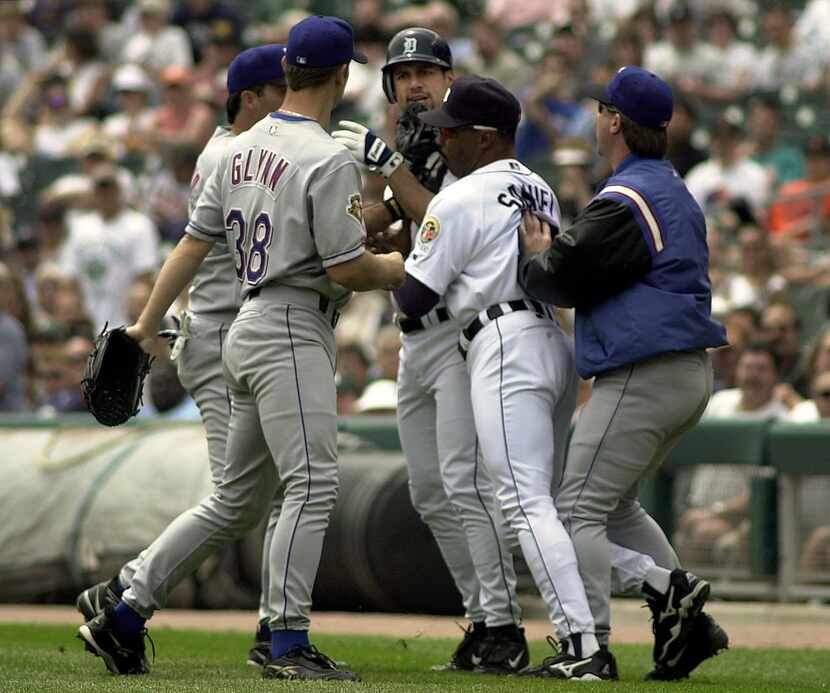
(177, 271)
(369, 272)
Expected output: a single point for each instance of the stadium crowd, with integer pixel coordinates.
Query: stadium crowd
(105, 105)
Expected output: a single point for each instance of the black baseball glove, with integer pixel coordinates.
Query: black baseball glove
(114, 377)
(418, 143)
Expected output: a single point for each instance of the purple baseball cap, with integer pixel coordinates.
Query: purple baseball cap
(638, 94)
(319, 41)
(256, 66)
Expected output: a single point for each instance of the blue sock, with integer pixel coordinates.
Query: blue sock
(284, 640)
(116, 586)
(128, 621)
(263, 631)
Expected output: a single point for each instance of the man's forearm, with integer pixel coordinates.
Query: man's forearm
(410, 194)
(377, 218)
(178, 270)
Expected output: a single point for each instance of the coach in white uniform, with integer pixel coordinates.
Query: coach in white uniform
(448, 485)
(521, 364)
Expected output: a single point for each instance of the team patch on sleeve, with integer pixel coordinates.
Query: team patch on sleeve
(430, 228)
(355, 207)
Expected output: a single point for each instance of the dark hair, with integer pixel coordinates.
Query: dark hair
(234, 102)
(84, 42)
(299, 78)
(758, 347)
(647, 143)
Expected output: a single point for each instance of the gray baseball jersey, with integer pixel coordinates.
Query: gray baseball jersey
(275, 161)
(214, 289)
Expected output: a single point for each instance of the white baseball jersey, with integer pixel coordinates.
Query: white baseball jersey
(215, 289)
(293, 206)
(467, 248)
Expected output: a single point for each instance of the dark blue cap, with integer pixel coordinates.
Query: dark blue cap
(318, 41)
(475, 100)
(640, 95)
(256, 66)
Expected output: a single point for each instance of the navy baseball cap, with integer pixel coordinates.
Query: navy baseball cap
(256, 66)
(639, 95)
(474, 100)
(319, 41)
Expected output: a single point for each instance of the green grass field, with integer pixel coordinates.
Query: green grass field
(44, 659)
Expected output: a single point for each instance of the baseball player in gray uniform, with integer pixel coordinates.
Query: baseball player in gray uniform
(287, 199)
(447, 483)
(256, 87)
(521, 364)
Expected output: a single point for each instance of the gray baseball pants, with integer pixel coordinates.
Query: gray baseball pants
(635, 416)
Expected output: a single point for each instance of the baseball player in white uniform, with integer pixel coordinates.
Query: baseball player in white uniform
(521, 364)
(256, 87)
(286, 197)
(435, 418)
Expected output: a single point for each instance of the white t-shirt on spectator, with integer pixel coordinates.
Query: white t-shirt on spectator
(717, 482)
(106, 256)
(170, 46)
(731, 67)
(711, 180)
(61, 141)
(739, 292)
(804, 412)
(666, 60)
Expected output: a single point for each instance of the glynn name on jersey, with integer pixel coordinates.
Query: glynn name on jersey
(265, 172)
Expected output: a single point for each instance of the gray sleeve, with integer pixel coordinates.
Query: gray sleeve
(336, 208)
(207, 222)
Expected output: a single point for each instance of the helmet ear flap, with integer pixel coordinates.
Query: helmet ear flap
(388, 87)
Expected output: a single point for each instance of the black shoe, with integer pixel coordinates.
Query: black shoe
(306, 663)
(706, 640)
(121, 653)
(503, 651)
(95, 599)
(260, 653)
(600, 666)
(469, 647)
(674, 613)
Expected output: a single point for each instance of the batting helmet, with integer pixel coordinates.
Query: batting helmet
(414, 45)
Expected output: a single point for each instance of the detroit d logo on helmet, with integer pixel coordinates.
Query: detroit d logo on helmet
(410, 45)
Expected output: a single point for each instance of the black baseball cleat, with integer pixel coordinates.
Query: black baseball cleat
(123, 654)
(306, 663)
(600, 666)
(674, 613)
(93, 600)
(706, 639)
(260, 653)
(469, 647)
(503, 651)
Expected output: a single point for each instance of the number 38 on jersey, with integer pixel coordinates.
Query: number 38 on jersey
(250, 252)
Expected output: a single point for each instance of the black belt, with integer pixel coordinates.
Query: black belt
(323, 304)
(408, 325)
(496, 311)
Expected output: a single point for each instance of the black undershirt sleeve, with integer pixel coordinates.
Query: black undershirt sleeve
(603, 252)
(415, 298)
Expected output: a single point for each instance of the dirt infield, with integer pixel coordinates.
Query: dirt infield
(749, 624)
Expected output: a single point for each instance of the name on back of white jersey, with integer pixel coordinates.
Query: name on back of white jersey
(527, 196)
(262, 168)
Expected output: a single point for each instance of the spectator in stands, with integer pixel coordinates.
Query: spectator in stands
(210, 73)
(134, 116)
(730, 63)
(818, 407)
(50, 229)
(87, 75)
(22, 49)
(728, 175)
(69, 312)
(49, 372)
(781, 329)
(683, 57)
(166, 197)
(353, 365)
(75, 355)
(380, 398)
(802, 209)
(157, 45)
(181, 118)
(757, 280)
(49, 278)
(574, 188)
(108, 248)
(14, 350)
(41, 118)
(626, 49)
(783, 61)
(94, 17)
(387, 353)
(493, 57)
(741, 326)
(682, 152)
(716, 527)
(783, 162)
(203, 19)
(552, 110)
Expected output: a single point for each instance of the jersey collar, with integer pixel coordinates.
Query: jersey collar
(278, 115)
